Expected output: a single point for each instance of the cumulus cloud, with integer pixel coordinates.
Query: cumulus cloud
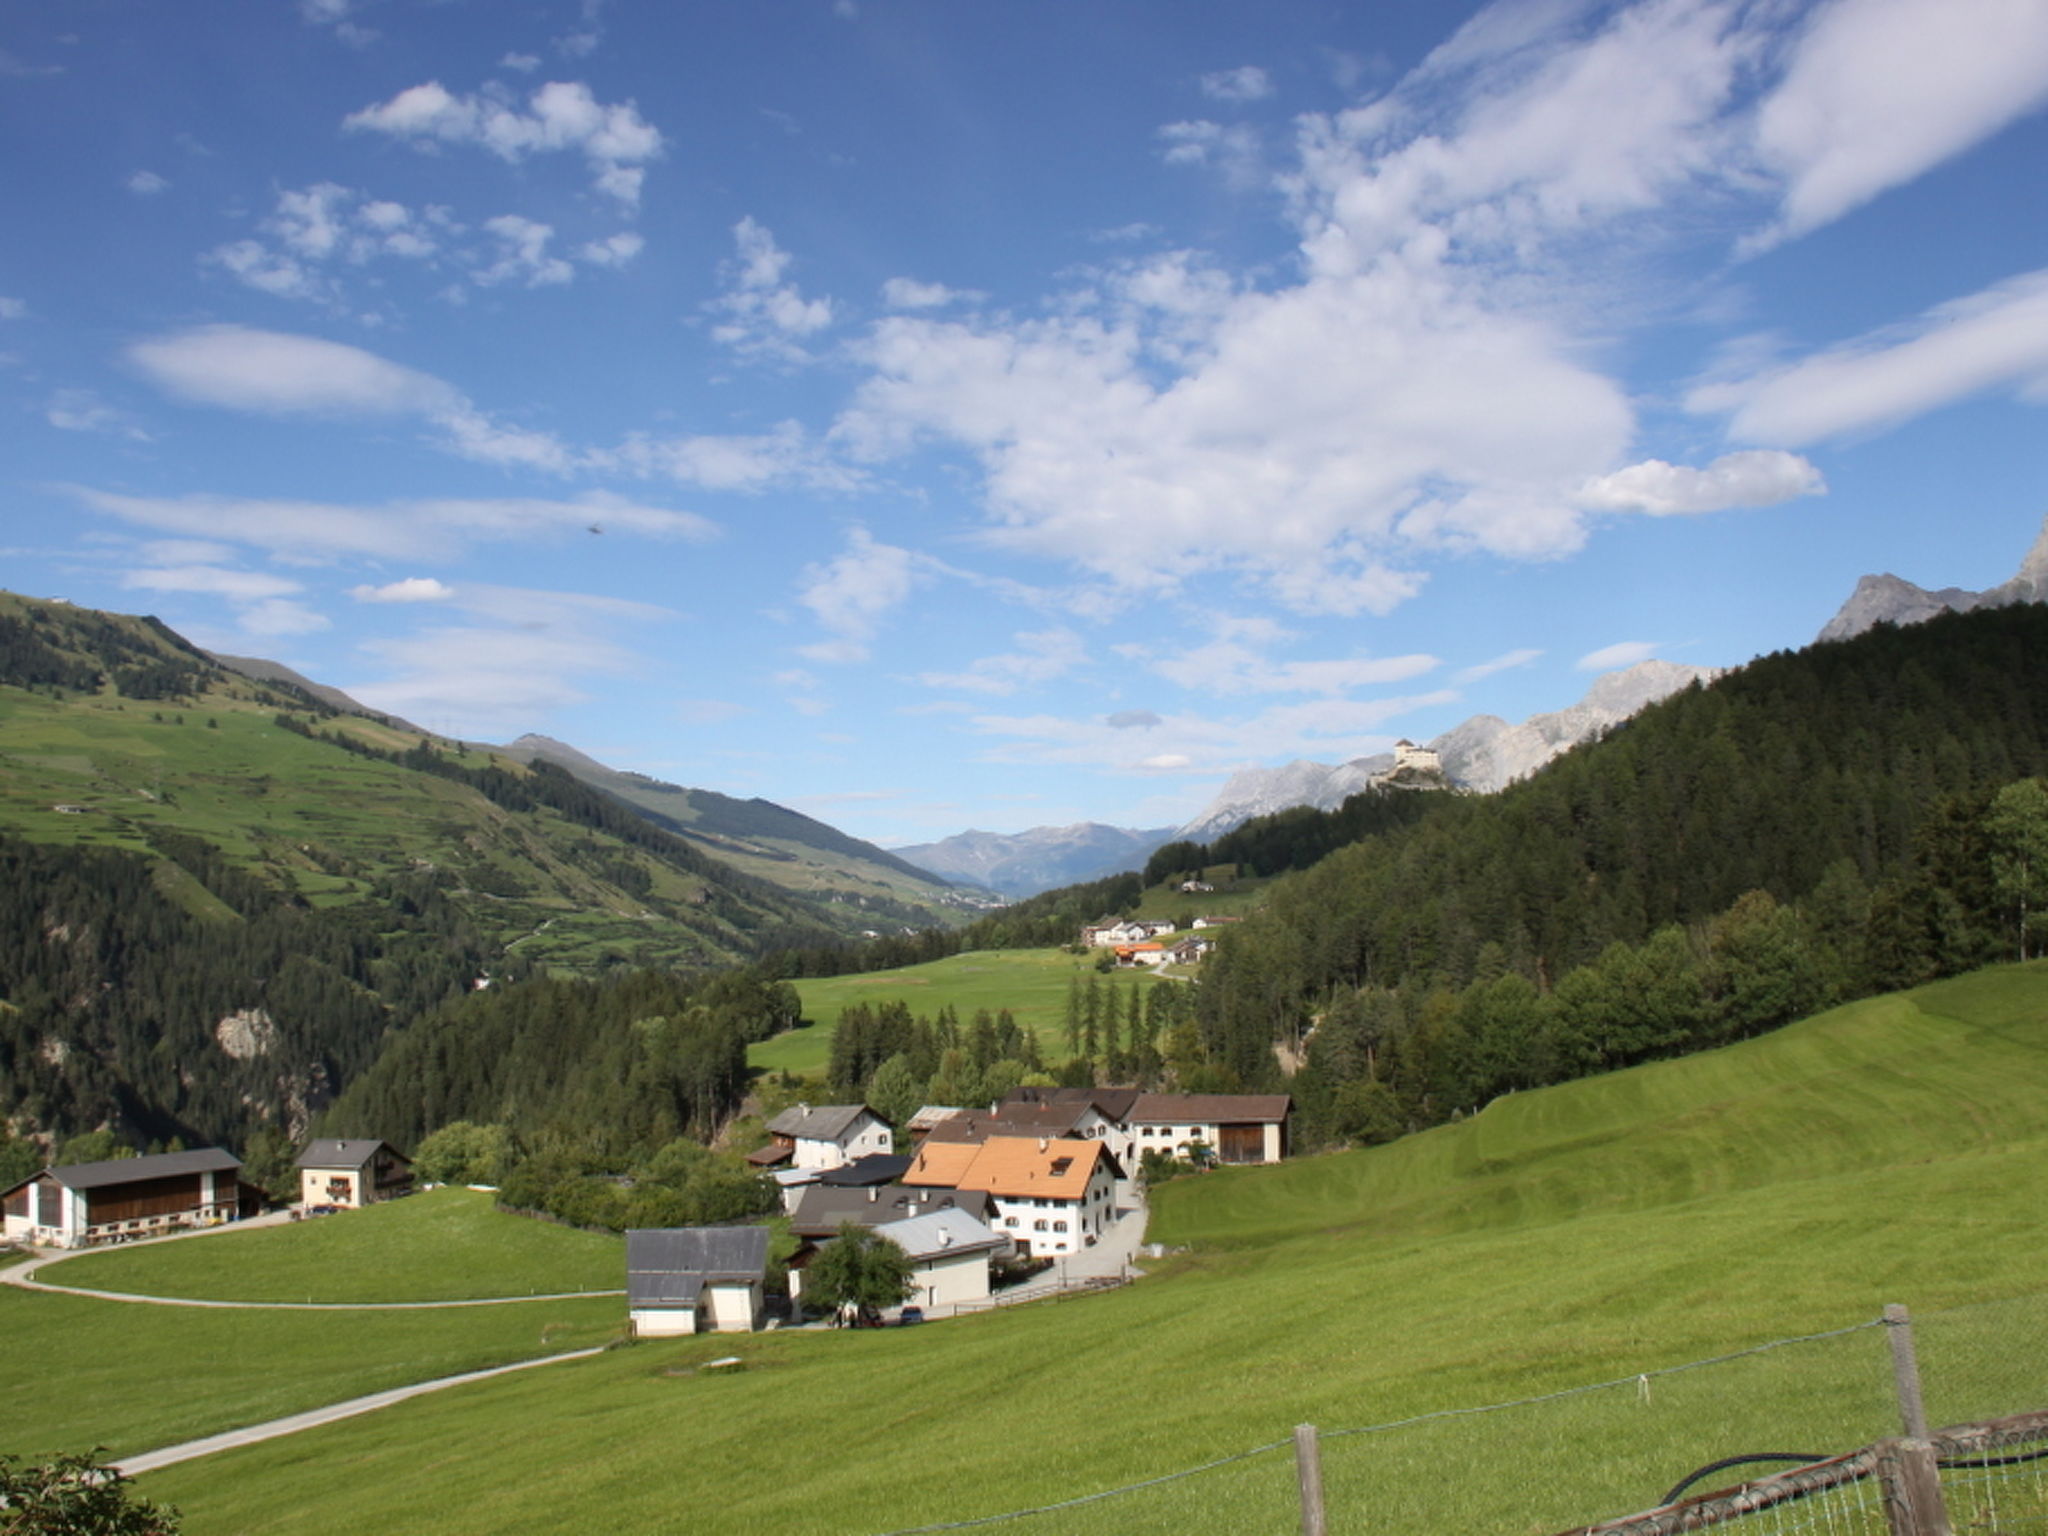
(424, 530)
(1234, 149)
(1761, 477)
(908, 293)
(275, 373)
(1878, 91)
(759, 313)
(522, 255)
(146, 183)
(561, 116)
(413, 589)
(612, 251)
(1994, 339)
(1248, 82)
(854, 592)
(1625, 653)
(782, 456)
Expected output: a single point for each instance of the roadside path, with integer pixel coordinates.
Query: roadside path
(150, 1461)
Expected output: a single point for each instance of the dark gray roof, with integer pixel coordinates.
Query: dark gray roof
(350, 1153)
(875, 1168)
(670, 1266)
(160, 1165)
(822, 1208)
(818, 1122)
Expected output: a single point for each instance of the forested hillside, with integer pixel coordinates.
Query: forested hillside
(1818, 825)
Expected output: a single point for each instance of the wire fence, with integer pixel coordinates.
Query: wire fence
(1563, 1460)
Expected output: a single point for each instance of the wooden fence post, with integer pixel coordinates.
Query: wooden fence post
(1308, 1470)
(1912, 1489)
(1906, 1371)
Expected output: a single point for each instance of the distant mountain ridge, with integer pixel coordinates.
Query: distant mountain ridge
(1023, 864)
(1889, 599)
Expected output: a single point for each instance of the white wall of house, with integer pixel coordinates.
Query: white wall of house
(951, 1279)
(1178, 1138)
(663, 1322)
(732, 1307)
(329, 1186)
(868, 1137)
(1053, 1227)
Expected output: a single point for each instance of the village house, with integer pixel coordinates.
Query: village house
(824, 1136)
(126, 1197)
(1051, 1196)
(1234, 1127)
(950, 1255)
(1132, 931)
(904, 1212)
(695, 1279)
(352, 1173)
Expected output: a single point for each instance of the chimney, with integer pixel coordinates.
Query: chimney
(804, 1110)
(1043, 1144)
(871, 1194)
(945, 1237)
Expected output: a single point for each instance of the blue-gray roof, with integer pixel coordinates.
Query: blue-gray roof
(159, 1165)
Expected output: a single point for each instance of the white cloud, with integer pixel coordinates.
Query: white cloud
(735, 462)
(146, 183)
(1326, 728)
(1879, 91)
(562, 115)
(525, 63)
(1248, 82)
(1505, 662)
(908, 293)
(1761, 477)
(1041, 657)
(1229, 666)
(275, 373)
(760, 314)
(426, 529)
(612, 251)
(279, 616)
(413, 589)
(80, 410)
(1625, 653)
(1994, 339)
(523, 254)
(12, 309)
(248, 586)
(336, 14)
(853, 593)
(1234, 149)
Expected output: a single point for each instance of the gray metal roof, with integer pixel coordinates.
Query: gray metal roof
(159, 1165)
(822, 1208)
(941, 1233)
(348, 1153)
(670, 1266)
(818, 1122)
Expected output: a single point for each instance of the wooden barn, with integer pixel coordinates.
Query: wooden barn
(127, 1197)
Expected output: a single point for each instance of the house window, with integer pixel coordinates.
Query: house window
(1038, 1225)
(1059, 1226)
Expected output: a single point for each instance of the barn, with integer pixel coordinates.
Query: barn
(126, 1197)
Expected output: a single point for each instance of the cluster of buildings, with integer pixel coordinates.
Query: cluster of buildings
(1041, 1176)
(79, 1205)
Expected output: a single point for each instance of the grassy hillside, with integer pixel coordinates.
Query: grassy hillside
(1600, 1231)
(371, 1255)
(1031, 983)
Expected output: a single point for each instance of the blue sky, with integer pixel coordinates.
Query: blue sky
(936, 415)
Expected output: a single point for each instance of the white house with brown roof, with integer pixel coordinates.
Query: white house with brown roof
(1235, 1127)
(825, 1136)
(84, 1203)
(353, 1172)
(1050, 1195)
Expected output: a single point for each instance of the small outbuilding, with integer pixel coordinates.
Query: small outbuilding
(353, 1173)
(695, 1279)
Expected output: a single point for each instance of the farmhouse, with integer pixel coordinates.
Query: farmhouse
(824, 1136)
(353, 1173)
(85, 1203)
(1051, 1196)
(695, 1279)
(1235, 1127)
(950, 1253)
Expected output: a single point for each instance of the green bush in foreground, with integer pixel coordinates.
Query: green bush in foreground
(75, 1496)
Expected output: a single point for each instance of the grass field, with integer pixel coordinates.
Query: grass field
(370, 1255)
(1596, 1232)
(1031, 983)
(135, 1377)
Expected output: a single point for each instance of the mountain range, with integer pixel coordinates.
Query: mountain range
(1889, 599)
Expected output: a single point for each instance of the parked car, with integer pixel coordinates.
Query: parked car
(908, 1316)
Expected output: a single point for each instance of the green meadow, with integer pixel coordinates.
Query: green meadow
(1031, 983)
(1598, 1235)
(442, 1245)
(135, 1377)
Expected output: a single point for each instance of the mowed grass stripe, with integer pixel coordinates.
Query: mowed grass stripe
(1888, 1152)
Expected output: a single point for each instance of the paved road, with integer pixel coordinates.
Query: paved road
(150, 1461)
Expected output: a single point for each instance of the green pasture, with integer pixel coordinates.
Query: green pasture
(1600, 1232)
(1031, 983)
(441, 1245)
